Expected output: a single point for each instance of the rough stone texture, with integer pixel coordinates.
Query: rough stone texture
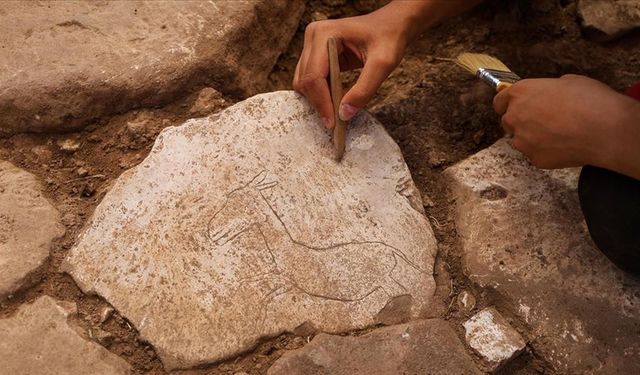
(38, 340)
(28, 225)
(241, 225)
(523, 236)
(420, 347)
(488, 333)
(65, 63)
(611, 17)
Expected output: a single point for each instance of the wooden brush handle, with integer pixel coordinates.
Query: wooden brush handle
(503, 85)
(339, 127)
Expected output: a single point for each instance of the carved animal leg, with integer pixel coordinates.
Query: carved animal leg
(393, 287)
(413, 280)
(266, 300)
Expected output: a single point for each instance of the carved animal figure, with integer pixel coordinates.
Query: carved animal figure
(349, 271)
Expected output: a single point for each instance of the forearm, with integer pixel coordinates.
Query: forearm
(420, 15)
(625, 149)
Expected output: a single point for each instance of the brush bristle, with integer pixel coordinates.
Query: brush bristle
(474, 61)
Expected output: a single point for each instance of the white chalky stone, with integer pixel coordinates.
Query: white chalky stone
(242, 225)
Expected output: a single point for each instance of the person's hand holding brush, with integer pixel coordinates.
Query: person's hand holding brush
(572, 121)
(374, 42)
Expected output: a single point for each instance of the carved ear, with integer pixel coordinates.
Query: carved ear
(266, 185)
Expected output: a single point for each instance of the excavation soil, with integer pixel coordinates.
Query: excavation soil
(435, 112)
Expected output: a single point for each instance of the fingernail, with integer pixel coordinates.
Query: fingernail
(347, 111)
(326, 122)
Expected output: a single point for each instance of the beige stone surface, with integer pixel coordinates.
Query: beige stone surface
(241, 225)
(38, 340)
(420, 347)
(523, 236)
(65, 63)
(489, 334)
(28, 225)
(611, 17)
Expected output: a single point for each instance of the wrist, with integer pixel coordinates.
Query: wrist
(622, 154)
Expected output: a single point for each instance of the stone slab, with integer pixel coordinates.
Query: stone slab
(39, 341)
(241, 225)
(66, 63)
(28, 225)
(523, 236)
(489, 334)
(611, 17)
(420, 347)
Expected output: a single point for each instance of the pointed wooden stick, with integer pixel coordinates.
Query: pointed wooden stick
(340, 127)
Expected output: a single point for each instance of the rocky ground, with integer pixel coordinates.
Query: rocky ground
(463, 260)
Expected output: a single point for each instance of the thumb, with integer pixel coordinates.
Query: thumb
(376, 69)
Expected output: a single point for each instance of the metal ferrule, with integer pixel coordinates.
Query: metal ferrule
(495, 77)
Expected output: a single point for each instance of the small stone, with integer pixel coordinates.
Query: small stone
(69, 145)
(478, 136)
(103, 337)
(420, 347)
(318, 16)
(207, 101)
(436, 158)
(82, 172)
(489, 334)
(38, 340)
(466, 302)
(105, 314)
(87, 190)
(42, 152)
(426, 200)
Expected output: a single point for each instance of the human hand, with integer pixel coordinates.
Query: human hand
(375, 42)
(571, 121)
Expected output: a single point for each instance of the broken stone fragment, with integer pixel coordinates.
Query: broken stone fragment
(420, 347)
(231, 231)
(523, 236)
(38, 340)
(489, 334)
(611, 17)
(28, 225)
(69, 145)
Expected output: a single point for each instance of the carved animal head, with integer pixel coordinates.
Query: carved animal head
(243, 209)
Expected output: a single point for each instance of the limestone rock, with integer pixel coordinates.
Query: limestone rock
(420, 347)
(28, 225)
(241, 225)
(38, 340)
(523, 236)
(488, 333)
(66, 63)
(611, 17)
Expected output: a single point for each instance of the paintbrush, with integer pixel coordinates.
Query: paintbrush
(489, 69)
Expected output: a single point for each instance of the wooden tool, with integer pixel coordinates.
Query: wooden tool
(489, 69)
(340, 127)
